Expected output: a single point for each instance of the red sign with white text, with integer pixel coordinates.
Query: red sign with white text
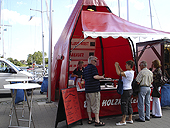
(110, 103)
(71, 104)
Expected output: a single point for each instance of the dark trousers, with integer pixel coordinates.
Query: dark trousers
(126, 106)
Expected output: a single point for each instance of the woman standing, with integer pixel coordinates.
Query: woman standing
(127, 78)
(157, 73)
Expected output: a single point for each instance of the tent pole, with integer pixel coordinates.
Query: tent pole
(100, 38)
(134, 54)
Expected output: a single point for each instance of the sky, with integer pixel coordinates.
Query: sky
(22, 36)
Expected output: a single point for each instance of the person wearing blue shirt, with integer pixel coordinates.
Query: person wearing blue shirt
(92, 90)
(79, 70)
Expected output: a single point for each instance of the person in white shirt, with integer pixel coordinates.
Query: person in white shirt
(127, 78)
(144, 78)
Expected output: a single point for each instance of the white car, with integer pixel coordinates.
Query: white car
(10, 71)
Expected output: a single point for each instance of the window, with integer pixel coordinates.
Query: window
(4, 68)
(92, 43)
(91, 53)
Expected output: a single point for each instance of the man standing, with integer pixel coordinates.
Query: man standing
(144, 78)
(92, 89)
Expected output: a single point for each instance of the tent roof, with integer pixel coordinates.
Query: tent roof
(94, 2)
(109, 24)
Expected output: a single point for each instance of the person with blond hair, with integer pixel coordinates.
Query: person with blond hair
(157, 73)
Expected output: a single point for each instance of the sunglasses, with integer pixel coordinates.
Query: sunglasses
(95, 60)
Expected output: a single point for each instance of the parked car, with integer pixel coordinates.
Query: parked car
(10, 71)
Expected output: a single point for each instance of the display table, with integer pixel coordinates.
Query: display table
(18, 80)
(20, 95)
(23, 86)
(109, 103)
(109, 81)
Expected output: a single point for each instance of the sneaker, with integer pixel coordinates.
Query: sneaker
(129, 121)
(139, 120)
(119, 124)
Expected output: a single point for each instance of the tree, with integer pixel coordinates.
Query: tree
(18, 63)
(11, 60)
(36, 57)
(15, 61)
(46, 60)
(29, 59)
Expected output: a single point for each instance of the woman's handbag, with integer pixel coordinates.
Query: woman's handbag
(156, 93)
(135, 87)
(163, 80)
(120, 86)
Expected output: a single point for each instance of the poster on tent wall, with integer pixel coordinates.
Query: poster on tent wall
(110, 103)
(81, 52)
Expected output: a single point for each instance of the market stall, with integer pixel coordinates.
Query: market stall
(93, 29)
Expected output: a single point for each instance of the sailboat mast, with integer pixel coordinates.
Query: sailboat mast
(50, 53)
(42, 38)
(150, 13)
(2, 31)
(119, 7)
(1, 25)
(127, 10)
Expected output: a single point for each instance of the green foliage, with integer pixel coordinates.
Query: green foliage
(46, 60)
(11, 60)
(24, 65)
(29, 59)
(15, 61)
(37, 58)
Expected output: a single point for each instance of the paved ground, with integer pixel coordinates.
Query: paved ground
(44, 115)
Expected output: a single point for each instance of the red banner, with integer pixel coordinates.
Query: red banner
(109, 104)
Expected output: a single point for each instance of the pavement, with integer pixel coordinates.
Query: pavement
(44, 116)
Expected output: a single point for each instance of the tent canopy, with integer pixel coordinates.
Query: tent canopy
(109, 24)
(100, 25)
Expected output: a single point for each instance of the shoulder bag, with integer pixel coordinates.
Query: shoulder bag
(120, 86)
(135, 87)
(163, 80)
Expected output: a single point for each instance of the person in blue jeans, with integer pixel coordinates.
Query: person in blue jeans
(144, 78)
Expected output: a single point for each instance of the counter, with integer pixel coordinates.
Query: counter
(109, 104)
